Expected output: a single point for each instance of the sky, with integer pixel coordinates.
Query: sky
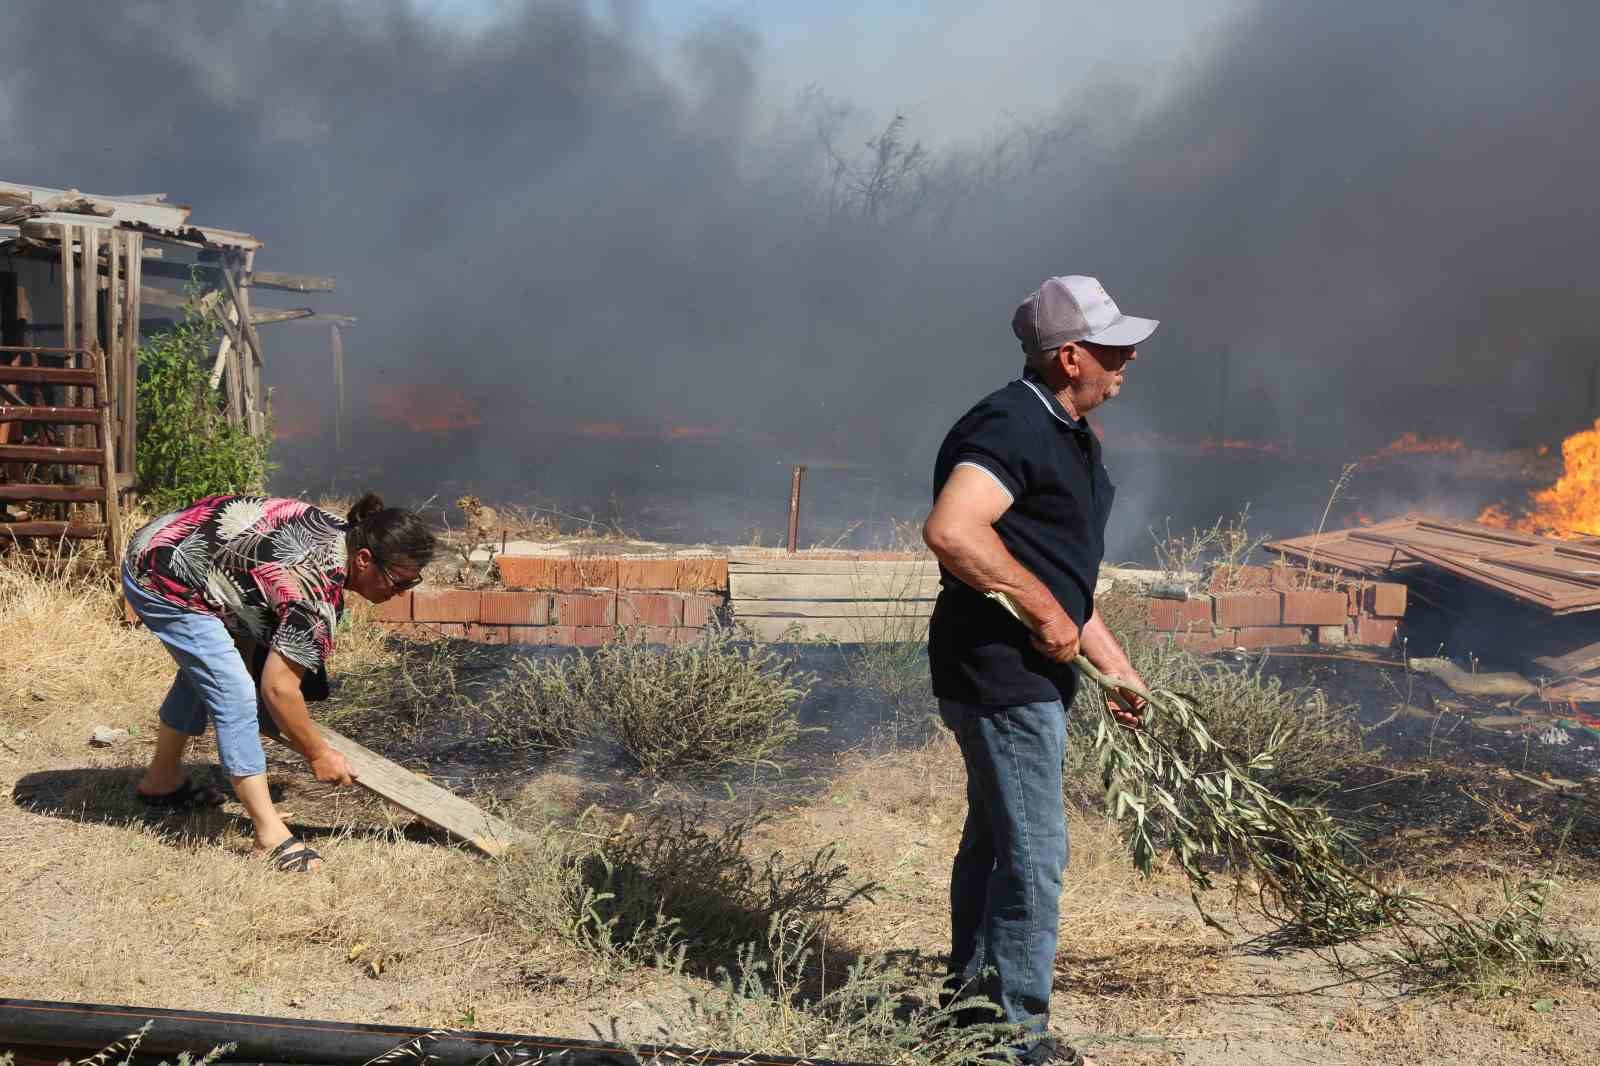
(631, 250)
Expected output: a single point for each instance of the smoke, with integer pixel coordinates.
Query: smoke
(640, 281)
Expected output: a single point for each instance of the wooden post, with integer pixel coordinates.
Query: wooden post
(794, 508)
(111, 355)
(258, 401)
(88, 320)
(133, 283)
(108, 472)
(336, 347)
(69, 321)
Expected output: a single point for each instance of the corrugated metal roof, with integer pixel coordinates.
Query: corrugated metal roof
(1559, 576)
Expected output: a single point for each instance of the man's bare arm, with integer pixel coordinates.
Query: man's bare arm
(1101, 647)
(960, 532)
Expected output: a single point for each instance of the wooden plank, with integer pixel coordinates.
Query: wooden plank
(831, 566)
(70, 530)
(110, 208)
(108, 469)
(29, 453)
(45, 375)
(51, 493)
(266, 316)
(844, 630)
(69, 300)
(271, 279)
(111, 359)
(868, 586)
(130, 358)
(831, 608)
(60, 416)
(416, 794)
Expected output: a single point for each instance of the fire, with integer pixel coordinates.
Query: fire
(427, 410)
(1409, 443)
(1571, 507)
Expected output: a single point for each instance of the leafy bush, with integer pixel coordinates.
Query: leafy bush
(717, 702)
(1313, 740)
(670, 890)
(187, 449)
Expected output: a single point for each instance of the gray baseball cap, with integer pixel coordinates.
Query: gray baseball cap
(1075, 308)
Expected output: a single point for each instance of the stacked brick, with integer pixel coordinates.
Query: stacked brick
(581, 602)
(1265, 617)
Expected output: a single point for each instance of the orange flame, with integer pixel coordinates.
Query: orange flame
(1409, 443)
(427, 410)
(1571, 507)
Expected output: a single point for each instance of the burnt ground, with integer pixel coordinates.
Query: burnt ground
(1454, 768)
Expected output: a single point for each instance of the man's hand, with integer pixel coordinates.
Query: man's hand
(332, 768)
(1057, 638)
(1131, 718)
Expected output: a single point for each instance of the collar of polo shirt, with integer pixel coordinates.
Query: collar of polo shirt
(1051, 404)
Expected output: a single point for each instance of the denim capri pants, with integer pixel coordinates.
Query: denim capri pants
(212, 679)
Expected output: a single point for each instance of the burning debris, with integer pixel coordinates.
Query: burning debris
(1569, 509)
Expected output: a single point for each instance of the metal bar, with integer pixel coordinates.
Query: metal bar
(794, 508)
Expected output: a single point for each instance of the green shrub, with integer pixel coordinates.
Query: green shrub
(187, 449)
(717, 702)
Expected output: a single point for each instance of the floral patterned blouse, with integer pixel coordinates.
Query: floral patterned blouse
(270, 569)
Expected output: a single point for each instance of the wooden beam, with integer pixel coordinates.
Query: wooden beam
(266, 316)
(130, 357)
(864, 586)
(108, 469)
(51, 493)
(421, 797)
(112, 208)
(336, 348)
(271, 279)
(111, 358)
(60, 416)
(71, 530)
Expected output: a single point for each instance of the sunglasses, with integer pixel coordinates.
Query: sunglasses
(397, 585)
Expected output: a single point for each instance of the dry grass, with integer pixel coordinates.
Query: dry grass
(101, 906)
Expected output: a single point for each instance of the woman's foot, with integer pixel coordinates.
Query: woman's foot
(186, 795)
(291, 855)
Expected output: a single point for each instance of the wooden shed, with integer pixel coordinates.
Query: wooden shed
(81, 277)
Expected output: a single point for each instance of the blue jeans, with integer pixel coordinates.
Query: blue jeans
(212, 680)
(1005, 885)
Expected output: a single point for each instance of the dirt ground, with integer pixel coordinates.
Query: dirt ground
(103, 904)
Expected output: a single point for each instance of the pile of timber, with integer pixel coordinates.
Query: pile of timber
(854, 597)
(882, 598)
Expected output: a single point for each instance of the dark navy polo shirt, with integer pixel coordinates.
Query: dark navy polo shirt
(1061, 496)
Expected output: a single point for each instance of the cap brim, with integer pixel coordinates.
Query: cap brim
(1125, 332)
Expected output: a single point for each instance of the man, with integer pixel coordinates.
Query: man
(1020, 507)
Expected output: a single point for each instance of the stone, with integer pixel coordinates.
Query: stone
(104, 736)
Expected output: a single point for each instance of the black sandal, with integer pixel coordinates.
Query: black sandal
(292, 859)
(187, 796)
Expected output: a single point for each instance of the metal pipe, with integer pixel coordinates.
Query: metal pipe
(82, 1029)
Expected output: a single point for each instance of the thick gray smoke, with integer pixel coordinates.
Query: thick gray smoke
(616, 275)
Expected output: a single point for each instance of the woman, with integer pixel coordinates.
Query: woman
(228, 574)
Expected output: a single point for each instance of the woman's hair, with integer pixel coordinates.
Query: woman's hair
(391, 534)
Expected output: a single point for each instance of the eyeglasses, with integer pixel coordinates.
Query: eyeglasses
(399, 586)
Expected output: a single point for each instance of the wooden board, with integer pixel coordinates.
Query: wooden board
(833, 608)
(844, 630)
(854, 586)
(830, 566)
(415, 793)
